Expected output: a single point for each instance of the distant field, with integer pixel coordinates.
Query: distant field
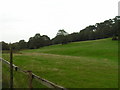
(86, 64)
(103, 48)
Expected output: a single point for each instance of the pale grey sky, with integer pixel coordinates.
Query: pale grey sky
(22, 19)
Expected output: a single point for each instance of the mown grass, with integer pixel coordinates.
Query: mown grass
(88, 64)
(103, 48)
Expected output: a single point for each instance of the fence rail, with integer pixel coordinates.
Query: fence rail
(38, 78)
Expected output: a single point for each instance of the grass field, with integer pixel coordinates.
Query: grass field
(86, 64)
(20, 80)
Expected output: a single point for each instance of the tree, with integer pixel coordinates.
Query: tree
(46, 40)
(5, 46)
(62, 32)
(73, 37)
(38, 41)
(114, 37)
(61, 37)
(35, 42)
(30, 43)
(22, 44)
(108, 28)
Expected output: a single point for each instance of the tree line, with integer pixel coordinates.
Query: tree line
(106, 29)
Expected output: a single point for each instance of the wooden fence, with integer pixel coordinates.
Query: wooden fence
(41, 80)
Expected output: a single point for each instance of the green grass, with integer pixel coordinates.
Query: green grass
(0, 75)
(87, 64)
(103, 48)
(20, 80)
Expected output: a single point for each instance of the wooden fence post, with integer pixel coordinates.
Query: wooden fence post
(11, 67)
(30, 79)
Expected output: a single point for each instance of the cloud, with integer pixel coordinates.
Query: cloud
(21, 19)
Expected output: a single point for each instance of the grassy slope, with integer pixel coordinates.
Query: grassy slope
(20, 80)
(103, 48)
(87, 64)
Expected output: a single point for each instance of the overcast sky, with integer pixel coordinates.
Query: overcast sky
(22, 19)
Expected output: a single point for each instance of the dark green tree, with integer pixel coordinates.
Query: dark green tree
(38, 41)
(22, 44)
(61, 37)
(5, 46)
